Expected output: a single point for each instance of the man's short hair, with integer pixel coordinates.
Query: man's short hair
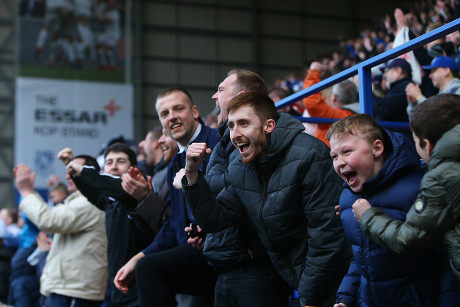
(168, 91)
(89, 161)
(13, 214)
(122, 147)
(263, 105)
(60, 187)
(278, 91)
(435, 116)
(346, 92)
(248, 81)
(362, 124)
(156, 133)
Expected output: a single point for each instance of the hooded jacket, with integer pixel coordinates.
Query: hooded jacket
(436, 211)
(378, 277)
(237, 245)
(289, 197)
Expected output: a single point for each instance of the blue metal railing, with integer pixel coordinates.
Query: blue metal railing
(363, 70)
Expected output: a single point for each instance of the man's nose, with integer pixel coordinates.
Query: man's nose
(236, 132)
(172, 115)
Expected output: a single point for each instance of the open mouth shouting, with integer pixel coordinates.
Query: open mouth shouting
(242, 147)
(350, 177)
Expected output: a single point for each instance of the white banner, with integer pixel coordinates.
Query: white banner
(53, 114)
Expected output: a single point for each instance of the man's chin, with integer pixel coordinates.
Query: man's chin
(247, 159)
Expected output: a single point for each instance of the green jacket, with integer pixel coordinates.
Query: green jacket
(436, 212)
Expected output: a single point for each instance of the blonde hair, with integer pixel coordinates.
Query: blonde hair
(363, 125)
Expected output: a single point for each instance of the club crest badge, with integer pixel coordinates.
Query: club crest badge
(419, 206)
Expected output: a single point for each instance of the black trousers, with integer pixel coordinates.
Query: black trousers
(181, 269)
(254, 285)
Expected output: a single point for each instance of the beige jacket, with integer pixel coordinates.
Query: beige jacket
(76, 265)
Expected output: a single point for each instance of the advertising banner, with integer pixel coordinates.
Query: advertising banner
(53, 114)
(73, 87)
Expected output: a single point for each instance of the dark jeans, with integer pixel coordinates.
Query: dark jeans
(58, 300)
(24, 291)
(181, 269)
(251, 285)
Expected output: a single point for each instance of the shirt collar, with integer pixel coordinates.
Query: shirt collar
(195, 135)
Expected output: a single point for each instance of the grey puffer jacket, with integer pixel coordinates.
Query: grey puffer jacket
(436, 212)
(289, 198)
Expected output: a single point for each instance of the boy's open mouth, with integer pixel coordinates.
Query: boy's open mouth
(351, 177)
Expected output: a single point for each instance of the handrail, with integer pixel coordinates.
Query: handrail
(363, 70)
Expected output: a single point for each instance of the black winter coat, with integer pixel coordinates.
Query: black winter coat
(240, 244)
(289, 196)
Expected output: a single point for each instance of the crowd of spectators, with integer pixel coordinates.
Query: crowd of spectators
(25, 276)
(391, 31)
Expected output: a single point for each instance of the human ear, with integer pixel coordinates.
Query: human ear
(269, 126)
(428, 147)
(377, 149)
(195, 112)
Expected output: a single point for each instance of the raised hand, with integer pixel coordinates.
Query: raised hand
(24, 179)
(66, 155)
(196, 154)
(134, 183)
(359, 207)
(74, 168)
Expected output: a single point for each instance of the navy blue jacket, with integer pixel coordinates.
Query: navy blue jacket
(172, 233)
(378, 277)
(393, 106)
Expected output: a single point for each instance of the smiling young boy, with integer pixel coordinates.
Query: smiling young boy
(382, 167)
(436, 211)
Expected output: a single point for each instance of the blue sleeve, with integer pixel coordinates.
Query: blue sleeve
(348, 290)
(165, 239)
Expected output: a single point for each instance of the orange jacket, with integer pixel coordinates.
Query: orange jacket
(317, 106)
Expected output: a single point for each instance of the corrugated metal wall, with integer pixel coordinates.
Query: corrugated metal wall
(194, 43)
(7, 85)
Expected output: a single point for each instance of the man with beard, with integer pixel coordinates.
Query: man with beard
(286, 186)
(245, 275)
